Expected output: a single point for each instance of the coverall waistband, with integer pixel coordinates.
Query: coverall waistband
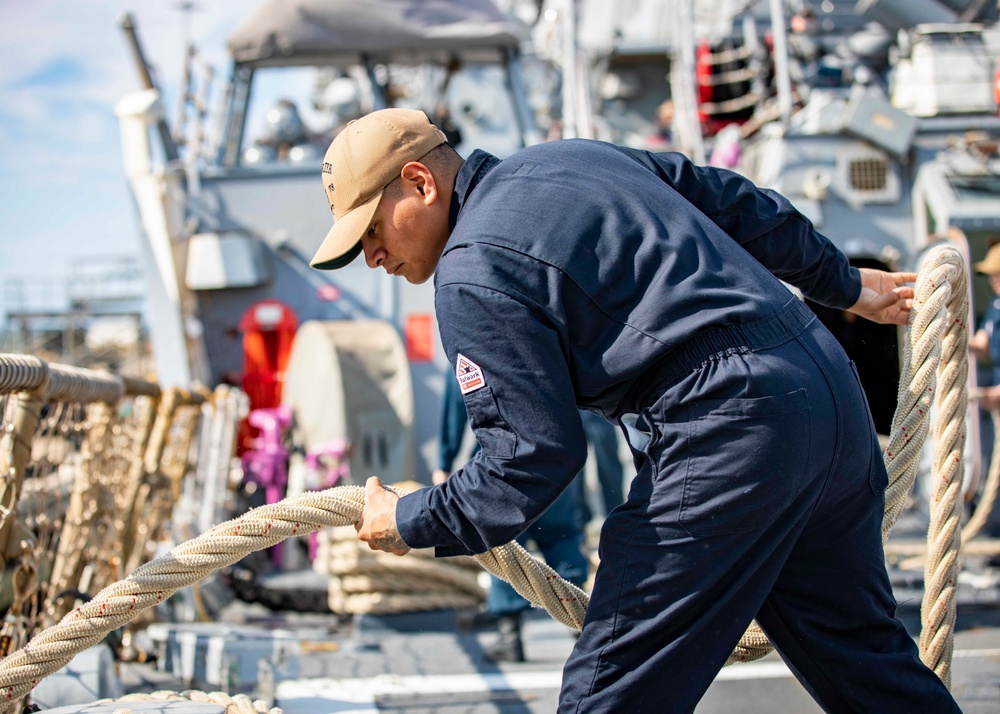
(766, 333)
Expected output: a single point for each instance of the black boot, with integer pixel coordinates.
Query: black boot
(508, 648)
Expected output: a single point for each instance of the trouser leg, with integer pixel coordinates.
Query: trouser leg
(725, 487)
(747, 504)
(831, 612)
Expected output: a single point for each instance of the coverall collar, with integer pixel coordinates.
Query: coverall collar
(472, 172)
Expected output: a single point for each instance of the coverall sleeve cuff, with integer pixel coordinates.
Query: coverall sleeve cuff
(418, 528)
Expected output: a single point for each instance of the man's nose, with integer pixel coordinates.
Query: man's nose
(374, 257)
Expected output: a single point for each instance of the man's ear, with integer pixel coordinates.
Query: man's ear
(420, 177)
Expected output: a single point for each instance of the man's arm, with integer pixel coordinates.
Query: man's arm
(766, 224)
(524, 416)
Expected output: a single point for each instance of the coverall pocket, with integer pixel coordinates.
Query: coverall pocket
(746, 459)
(496, 438)
(878, 479)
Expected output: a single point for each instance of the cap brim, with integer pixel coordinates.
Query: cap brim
(343, 243)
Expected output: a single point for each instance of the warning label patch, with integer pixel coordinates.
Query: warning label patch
(470, 377)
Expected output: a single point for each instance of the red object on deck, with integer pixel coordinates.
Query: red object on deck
(419, 333)
(268, 329)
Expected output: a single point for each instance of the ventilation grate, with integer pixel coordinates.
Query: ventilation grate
(869, 175)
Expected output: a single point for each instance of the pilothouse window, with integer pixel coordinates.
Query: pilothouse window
(294, 112)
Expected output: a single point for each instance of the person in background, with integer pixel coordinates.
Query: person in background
(985, 345)
(603, 437)
(444, 122)
(558, 533)
(663, 133)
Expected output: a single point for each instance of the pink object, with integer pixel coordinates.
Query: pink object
(329, 456)
(266, 463)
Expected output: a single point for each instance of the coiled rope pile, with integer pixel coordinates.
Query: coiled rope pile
(235, 704)
(938, 336)
(370, 581)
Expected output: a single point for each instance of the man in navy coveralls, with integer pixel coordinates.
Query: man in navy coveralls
(646, 289)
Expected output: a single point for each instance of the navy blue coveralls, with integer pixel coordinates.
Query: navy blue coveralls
(558, 532)
(644, 288)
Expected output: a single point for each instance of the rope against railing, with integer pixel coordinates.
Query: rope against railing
(229, 542)
(938, 330)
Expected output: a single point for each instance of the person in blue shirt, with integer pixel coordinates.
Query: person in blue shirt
(558, 532)
(985, 345)
(579, 274)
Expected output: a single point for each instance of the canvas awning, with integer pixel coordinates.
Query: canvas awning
(294, 31)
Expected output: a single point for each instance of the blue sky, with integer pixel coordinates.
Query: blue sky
(64, 65)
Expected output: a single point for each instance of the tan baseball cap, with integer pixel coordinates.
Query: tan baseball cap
(990, 265)
(363, 159)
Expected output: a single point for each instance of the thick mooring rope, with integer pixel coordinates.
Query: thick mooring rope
(989, 494)
(938, 345)
(236, 704)
(936, 349)
(938, 335)
(223, 545)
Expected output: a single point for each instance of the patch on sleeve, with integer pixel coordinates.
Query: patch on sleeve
(470, 377)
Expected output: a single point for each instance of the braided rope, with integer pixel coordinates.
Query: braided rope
(940, 291)
(985, 506)
(238, 704)
(65, 383)
(223, 545)
(74, 384)
(936, 348)
(21, 373)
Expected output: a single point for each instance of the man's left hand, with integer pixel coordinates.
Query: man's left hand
(885, 297)
(377, 526)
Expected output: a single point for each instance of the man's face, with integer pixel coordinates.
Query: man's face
(995, 283)
(409, 230)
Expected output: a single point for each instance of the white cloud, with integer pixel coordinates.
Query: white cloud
(64, 64)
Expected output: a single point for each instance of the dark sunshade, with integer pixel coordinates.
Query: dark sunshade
(287, 30)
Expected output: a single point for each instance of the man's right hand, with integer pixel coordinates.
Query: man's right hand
(377, 526)
(885, 297)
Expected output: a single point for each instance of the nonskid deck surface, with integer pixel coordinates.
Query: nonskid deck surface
(435, 662)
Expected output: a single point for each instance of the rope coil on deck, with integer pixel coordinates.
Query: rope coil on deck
(237, 704)
(370, 581)
(938, 335)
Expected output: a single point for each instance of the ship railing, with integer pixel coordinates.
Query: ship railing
(93, 466)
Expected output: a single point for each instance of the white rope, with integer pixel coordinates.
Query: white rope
(223, 545)
(936, 349)
(236, 704)
(938, 335)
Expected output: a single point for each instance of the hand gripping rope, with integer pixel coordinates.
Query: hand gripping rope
(936, 350)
